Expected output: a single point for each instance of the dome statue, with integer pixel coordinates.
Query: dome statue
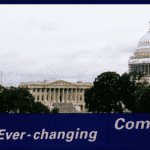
(141, 59)
(145, 40)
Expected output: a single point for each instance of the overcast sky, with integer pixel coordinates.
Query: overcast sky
(68, 42)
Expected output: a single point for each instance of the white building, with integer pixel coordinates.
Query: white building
(140, 61)
(50, 93)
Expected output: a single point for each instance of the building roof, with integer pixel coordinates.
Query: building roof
(142, 53)
(145, 40)
(57, 83)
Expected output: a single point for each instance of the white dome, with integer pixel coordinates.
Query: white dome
(145, 40)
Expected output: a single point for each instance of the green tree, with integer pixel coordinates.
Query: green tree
(19, 100)
(55, 111)
(103, 97)
(132, 89)
(90, 99)
(114, 93)
(143, 105)
(39, 108)
(4, 101)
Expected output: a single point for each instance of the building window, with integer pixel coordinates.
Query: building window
(133, 68)
(48, 89)
(42, 98)
(139, 68)
(80, 97)
(33, 89)
(43, 89)
(143, 69)
(81, 90)
(47, 97)
(146, 69)
(136, 68)
(38, 89)
(38, 98)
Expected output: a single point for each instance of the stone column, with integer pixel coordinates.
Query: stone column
(72, 95)
(69, 90)
(40, 94)
(67, 94)
(59, 95)
(148, 69)
(54, 96)
(63, 96)
(49, 95)
(76, 95)
(35, 93)
(49, 98)
(45, 95)
(83, 97)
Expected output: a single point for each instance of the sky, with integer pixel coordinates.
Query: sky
(68, 42)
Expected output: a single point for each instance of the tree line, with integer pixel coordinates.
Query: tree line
(110, 92)
(20, 100)
(114, 93)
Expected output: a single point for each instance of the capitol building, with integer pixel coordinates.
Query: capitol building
(141, 59)
(59, 92)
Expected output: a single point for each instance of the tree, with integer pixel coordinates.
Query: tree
(4, 102)
(39, 108)
(19, 100)
(127, 89)
(104, 94)
(89, 99)
(55, 111)
(114, 93)
(132, 89)
(144, 102)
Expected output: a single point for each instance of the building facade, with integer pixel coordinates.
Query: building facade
(59, 91)
(140, 61)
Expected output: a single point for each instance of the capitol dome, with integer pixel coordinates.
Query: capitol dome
(140, 61)
(145, 40)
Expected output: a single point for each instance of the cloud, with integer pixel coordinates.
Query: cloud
(69, 79)
(44, 26)
(69, 42)
(15, 77)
